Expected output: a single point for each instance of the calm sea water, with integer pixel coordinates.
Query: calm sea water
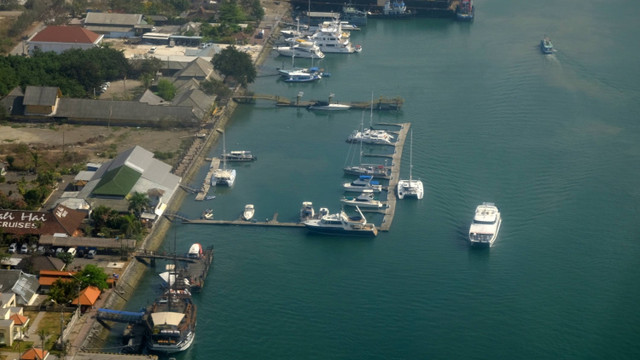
(552, 140)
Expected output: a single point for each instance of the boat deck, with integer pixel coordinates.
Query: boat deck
(389, 211)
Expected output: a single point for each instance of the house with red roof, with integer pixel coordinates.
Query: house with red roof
(62, 38)
(35, 354)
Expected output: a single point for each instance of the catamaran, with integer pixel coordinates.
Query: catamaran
(410, 188)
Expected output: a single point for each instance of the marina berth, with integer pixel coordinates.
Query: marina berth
(485, 225)
(223, 176)
(342, 224)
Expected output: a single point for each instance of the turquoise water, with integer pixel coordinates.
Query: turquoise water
(552, 140)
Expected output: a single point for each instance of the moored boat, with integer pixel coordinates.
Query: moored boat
(410, 188)
(249, 211)
(364, 200)
(223, 176)
(330, 38)
(485, 225)
(207, 214)
(342, 224)
(465, 11)
(302, 76)
(546, 46)
(328, 105)
(362, 183)
(395, 9)
(302, 49)
(371, 136)
(239, 155)
(307, 211)
(170, 322)
(354, 16)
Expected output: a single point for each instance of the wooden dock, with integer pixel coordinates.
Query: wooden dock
(381, 104)
(273, 222)
(202, 194)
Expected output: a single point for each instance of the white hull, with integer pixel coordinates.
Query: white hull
(410, 189)
(248, 213)
(485, 226)
(224, 177)
(330, 107)
(357, 188)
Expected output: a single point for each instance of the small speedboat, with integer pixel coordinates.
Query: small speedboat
(207, 214)
(364, 200)
(362, 183)
(249, 211)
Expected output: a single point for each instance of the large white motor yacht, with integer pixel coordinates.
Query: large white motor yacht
(485, 226)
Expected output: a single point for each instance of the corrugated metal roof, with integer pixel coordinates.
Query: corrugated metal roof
(40, 95)
(95, 18)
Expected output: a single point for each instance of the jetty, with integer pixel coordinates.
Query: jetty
(273, 222)
(206, 184)
(381, 104)
(395, 176)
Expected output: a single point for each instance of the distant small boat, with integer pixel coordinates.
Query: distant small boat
(249, 211)
(210, 197)
(207, 214)
(546, 46)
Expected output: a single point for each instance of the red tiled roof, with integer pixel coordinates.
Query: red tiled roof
(88, 296)
(34, 354)
(66, 34)
(19, 319)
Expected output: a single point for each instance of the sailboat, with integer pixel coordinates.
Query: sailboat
(410, 188)
(223, 176)
(379, 171)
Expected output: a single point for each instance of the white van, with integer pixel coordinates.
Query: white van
(72, 251)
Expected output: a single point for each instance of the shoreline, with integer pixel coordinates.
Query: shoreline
(135, 270)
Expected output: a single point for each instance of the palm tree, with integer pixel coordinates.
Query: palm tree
(138, 202)
(43, 336)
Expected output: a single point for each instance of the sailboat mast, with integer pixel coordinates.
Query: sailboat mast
(411, 157)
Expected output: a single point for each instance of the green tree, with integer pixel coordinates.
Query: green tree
(64, 291)
(93, 275)
(138, 203)
(235, 63)
(166, 90)
(215, 87)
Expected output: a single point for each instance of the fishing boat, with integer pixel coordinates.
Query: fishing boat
(301, 48)
(410, 188)
(249, 211)
(342, 224)
(328, 105)
(224, 176)
(239, 155)
(207, 214)
(307, 211)
(362, 183)
(546, 46)
(465, 11)
(485, 225)
(395, 9)
(364, 200)
(354, 16)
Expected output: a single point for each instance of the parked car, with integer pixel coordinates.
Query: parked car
(91, 254)
(24, 249)
(72, 251)
(152, 50)
(41, 249)
(13, 248)
(59, 250)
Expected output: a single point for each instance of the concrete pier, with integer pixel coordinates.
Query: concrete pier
(395, 176)
(214, 165)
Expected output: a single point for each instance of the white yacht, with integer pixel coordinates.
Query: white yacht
(332, 39)
(371, 136)
(328, 105)
(302, 49)
(342, 224)
(410, 188)
(364, 200)
(223, 176)
(249, 211)
(362, 183)
(485, 226)
(239, 155)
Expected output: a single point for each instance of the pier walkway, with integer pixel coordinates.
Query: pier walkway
(395, 176)
(215, 164)
(382, 104)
